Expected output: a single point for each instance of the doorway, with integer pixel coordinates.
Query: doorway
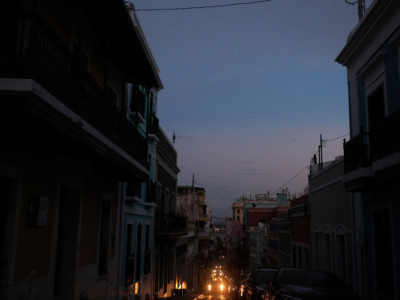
(67, 243)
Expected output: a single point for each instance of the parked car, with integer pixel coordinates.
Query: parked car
(301, 284)
(258, 282)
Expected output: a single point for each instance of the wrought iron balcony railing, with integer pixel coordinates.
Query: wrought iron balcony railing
(356, 152)
(385, 136)
(30, 49)
(170, 223)
(365, 148)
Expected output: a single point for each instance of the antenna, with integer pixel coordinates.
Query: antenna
(320, 148)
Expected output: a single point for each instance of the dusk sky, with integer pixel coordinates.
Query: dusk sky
(249, 89)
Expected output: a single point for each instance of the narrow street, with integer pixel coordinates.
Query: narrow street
(203, 297)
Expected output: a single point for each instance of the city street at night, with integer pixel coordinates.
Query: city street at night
(200, 150)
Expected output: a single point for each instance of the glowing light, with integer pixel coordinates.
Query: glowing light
(137, 287)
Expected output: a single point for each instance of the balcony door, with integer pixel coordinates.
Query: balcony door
(376, 107)
(4, 205)
(9, 220)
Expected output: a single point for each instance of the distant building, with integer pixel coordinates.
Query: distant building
(191, 201)
(372, 155)
(237, 211)
(240, 208)
(300, 218)
(251, 237)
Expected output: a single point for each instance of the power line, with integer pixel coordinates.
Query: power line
(291, 179)
(202, 7)
(336, 138)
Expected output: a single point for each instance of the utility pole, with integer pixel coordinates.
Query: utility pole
(361, 7)
(320, 160)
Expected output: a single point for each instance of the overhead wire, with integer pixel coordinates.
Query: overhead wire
(336, 138)
(202, 7)
(291, 179)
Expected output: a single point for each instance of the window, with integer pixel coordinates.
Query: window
(306, 258)
(4, 195)
(167, 201)
(129, 256)
(340, 256)
(376, 107)
(138, 252)
(327, 252)
(147, 263)
(294, 253)
(67, 241)
(316, 251)
(157, 274)
(138, 103)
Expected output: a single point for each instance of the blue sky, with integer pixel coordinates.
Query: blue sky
(249, 89)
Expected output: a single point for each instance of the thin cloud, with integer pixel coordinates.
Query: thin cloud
(185, 138)
(298, 141)
(243, 162)
(252, 172)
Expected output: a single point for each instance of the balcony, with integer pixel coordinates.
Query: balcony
(363, 153)
(203, 233)
(385, 137)
(170, 224)
(30, 49)
(356, 153)
(203, 217)
(358, 174)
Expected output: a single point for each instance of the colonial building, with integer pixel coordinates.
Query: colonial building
(140, 197)
(372, 155)
(77, 85)
(191, 201)
(170, 225)
(331, 215)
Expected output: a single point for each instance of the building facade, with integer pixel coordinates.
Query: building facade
(331, 225)
(75, 79)
(191, 200)
(300, 220)
(170, 225)
(139, 197)
(372, 155)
